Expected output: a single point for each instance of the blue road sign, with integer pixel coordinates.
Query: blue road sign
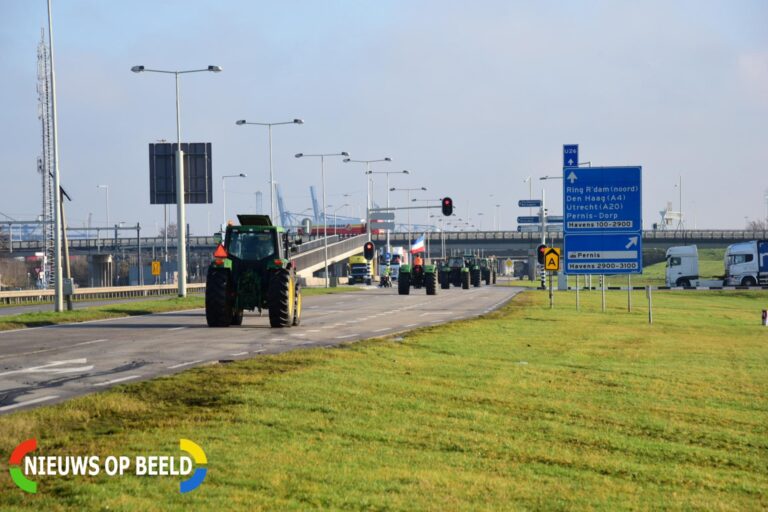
(554, 219)
(604, 254)
(529, 203)
(602, 220)
(602, 199)
(528, 220)
(570, 155)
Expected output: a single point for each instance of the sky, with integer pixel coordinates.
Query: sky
(471, 97)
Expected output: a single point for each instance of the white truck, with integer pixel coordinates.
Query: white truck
(746, 264)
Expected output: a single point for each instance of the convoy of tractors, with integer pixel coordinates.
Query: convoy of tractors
(252, 270)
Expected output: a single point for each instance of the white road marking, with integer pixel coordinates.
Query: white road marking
(410, 325)
(383, 329)
(43, 351)
(89, 342)
(259, 351)
(299, 335)
(345, 337)
(177, 328)
(314, 330)
(115, 381)
(49, 368)
(184, 364)
(277, 339)
(28, 402)
(239, 354)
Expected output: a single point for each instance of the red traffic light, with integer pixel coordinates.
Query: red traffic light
(447, 206)
(368, 250)
(540, 251)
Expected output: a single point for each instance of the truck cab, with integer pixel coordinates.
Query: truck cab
(682, 265)
(746, 263)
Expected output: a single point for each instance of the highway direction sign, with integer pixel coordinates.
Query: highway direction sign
(382, 215)
(604, 254)
(528, 220)
(529, 203)
(529, 228)
(602, 210)
(554, 218)
(570, 155)
(602, 199)
(552, 259)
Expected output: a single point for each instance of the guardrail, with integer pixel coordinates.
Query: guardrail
(113, 292)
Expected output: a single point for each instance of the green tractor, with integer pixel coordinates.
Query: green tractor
(488, 270)
(475, 272)
(454, 272)
(252, 270)
(423, 275)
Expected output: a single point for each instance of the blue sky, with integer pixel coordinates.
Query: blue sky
(472, 97)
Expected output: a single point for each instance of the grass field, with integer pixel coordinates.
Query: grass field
(525, 409)
(159, 305)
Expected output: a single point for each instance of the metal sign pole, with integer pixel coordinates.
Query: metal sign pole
(551, 296)
(629, 293)
(602, 289)
(650, 304)
(577, 292)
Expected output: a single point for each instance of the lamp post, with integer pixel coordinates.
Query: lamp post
(325, 218)
(388, 173)
(408, 213)
(106, 189)
(181, 221)
(497, 218)
(368, 188)
(334, 216)
(224, 190)
(269, 126)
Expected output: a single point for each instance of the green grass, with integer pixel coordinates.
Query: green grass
(159, 305)
(528, 408)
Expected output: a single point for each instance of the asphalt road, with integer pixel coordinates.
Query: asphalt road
(51, 364)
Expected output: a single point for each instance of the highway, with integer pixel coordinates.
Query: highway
(45, 365)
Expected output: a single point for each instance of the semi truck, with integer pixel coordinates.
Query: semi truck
(745, 264)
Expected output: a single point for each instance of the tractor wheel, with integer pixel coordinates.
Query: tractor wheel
(218, 309)
(430, 283)
(297, 305)
(465, 280)
(445, 280)
(280, 299)
(404, 283)
(488, 278)
(476, 277)
(237, 318)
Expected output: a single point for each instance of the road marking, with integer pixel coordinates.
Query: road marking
(277, 339)
(115, 381)
(184, 364)
(239, 354)
(43, 351)
(314, 330)
(49, 368)
(410, 325)
(28, 402)
(88, 342)
(383, 329)
(259, 351)
(299, 335)
(312, 307)
(177, 328)
(345, 337)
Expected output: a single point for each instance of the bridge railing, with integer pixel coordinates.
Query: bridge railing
(317, 255)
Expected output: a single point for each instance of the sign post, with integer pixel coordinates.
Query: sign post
(552, 265)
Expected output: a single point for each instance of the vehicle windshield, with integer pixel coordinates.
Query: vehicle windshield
(456, 262)
(251, 245)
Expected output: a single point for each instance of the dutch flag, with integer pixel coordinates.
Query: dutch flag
(418, 245)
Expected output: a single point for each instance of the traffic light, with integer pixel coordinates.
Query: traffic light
(447, 206)
(540, 251)
(368, 250)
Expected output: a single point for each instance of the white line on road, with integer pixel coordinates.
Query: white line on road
(347, 336)
(383, 329)
(115, 381)
(89, 342)
(239, 354)
(28, 402)
(277, 339)
(184, 364)
(50, 368)
(410, 325)
(314, 330)
(259, 351)
(43, 351)
(177, 328)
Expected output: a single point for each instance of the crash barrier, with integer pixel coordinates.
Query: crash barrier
(113, 292)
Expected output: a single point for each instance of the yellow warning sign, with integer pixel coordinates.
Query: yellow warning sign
(552, 259)
(155, 268)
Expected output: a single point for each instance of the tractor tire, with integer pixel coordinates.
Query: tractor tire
(445, 280)
(488, 279)
(430, 283)
(297, 306)
(280, 299)
(476, 278)
(404, 284)
(237, 318)
(465, 280)
(218, 308)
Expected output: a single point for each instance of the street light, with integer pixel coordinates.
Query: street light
(181, 222)
(408, 213)
(106, 188)
(334, 216)
(388, 173)
(325, 218)
(269, 126)
(368, 188)
(224, 190)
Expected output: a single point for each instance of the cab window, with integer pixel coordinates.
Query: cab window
(674, 261)
(251, 246)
